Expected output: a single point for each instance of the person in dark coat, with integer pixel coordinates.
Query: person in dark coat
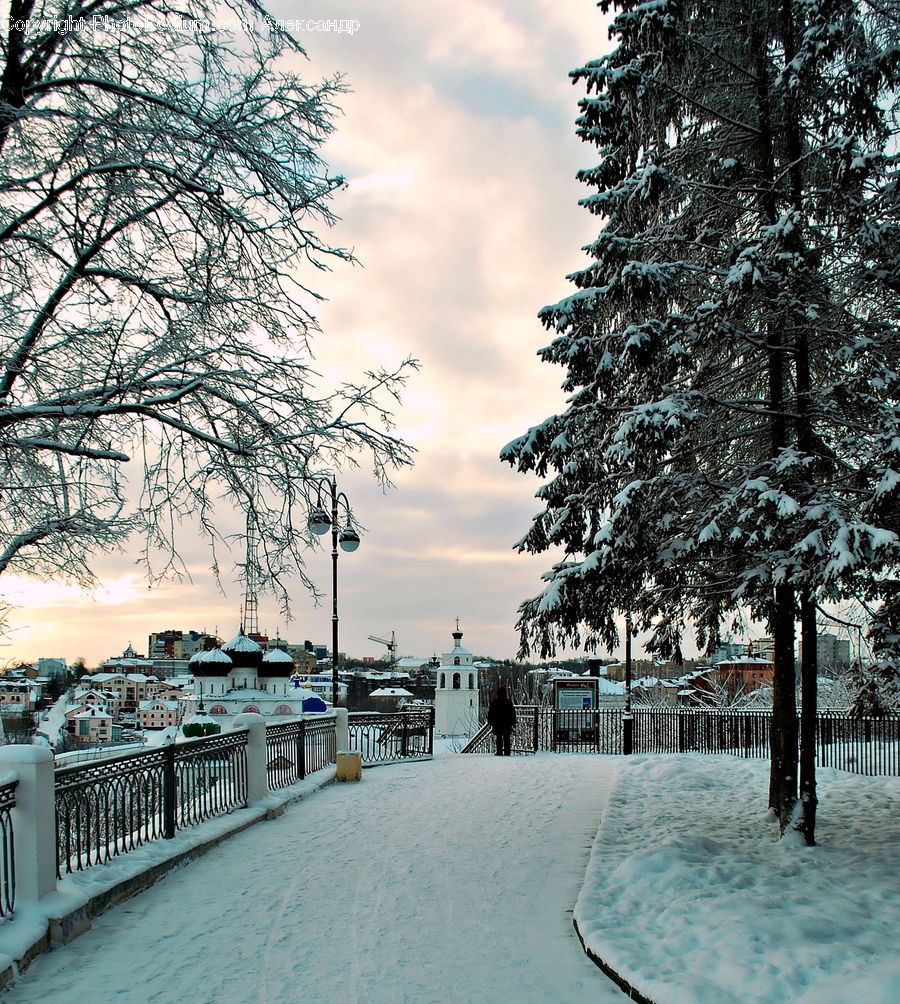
(502, 720)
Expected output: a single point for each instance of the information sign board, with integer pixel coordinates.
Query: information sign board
(581, 694)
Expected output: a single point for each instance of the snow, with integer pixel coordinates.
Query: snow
(277, 655)
(455, 880)
(210, 655)
(241, 643)
(690, 896)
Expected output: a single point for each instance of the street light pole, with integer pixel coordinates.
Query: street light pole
(320, 522)
(334, 595)
(627, 719)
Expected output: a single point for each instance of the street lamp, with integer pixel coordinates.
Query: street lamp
(320, 522)
(627, 718)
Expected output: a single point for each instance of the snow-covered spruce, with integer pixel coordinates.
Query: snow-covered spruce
(731, 438)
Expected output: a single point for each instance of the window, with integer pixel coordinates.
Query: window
(443, 680)
(456, 660)
(471, 681)
(456, 681)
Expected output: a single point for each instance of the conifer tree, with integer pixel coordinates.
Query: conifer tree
(730, 439)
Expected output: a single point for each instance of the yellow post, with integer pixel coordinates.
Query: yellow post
(348, 766)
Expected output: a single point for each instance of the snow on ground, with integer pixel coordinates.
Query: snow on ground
(455, 880)
(451, 880)
(693, 899)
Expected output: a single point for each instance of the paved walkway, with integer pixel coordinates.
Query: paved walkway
(447, 881)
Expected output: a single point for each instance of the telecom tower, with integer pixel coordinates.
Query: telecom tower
(251, 582)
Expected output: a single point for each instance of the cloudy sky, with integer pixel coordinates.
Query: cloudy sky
(457, 140)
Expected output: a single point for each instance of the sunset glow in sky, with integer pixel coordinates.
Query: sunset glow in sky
(457, 140)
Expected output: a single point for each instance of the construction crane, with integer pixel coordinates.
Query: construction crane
(391, 646)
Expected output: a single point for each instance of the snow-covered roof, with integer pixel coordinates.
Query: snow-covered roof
(94, 713)
(241, 643)
(158, 702)
(391, 692)
(199, 718)
(254, 695)
(744, 660)
(211, 655)
(278, 655)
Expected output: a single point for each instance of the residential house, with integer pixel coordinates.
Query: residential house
(159, 713)
(93, 725)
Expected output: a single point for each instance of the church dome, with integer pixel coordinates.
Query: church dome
(245, 653)
(277, 662)
(212, 662)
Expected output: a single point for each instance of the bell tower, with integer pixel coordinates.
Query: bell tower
(456, 706)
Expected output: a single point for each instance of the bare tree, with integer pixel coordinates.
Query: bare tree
(160, 195)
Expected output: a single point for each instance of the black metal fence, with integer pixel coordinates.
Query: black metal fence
(387, 738)
(321, 744)
(7, 850)
(297, 748)
(859, 745)
(109, 808)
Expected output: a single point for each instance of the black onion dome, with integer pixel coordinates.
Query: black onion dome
(211, 662)
(244, 652)
(277, 663)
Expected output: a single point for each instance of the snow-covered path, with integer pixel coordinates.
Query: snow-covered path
(447, 881)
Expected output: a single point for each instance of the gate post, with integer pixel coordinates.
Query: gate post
(169, 790)
(627, 733)
(301, 750)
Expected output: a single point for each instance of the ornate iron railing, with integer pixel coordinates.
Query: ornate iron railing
(109, 808)
(285, 753)
(7, 850)
(297, 748)
(210, 777)
(320, 746)
(387, 738)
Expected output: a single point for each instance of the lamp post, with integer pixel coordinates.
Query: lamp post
(627, 719)
(320, 522)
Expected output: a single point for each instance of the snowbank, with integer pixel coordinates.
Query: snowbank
(690, 896)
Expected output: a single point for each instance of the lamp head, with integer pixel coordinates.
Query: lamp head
(319, 520)
(349, 538)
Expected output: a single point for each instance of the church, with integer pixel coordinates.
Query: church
(239, 677)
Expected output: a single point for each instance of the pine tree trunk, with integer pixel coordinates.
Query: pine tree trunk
(783, 766)
(805, 821)
(806, 818)
(783, 734)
